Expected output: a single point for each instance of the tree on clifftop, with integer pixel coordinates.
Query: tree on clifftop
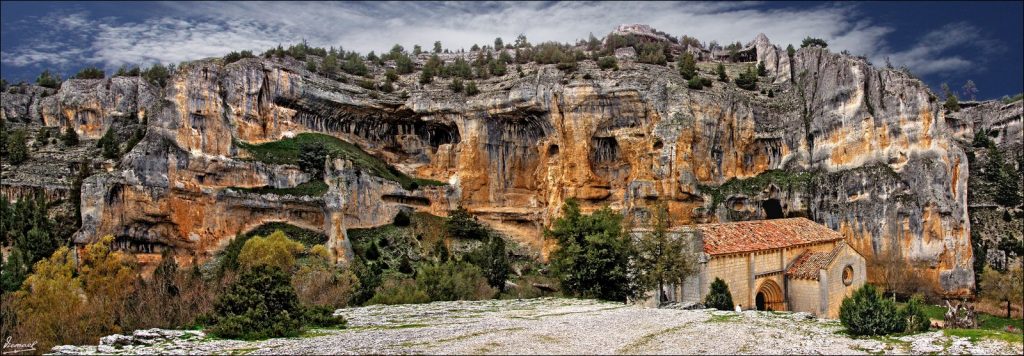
(48, 79)
(811, 41)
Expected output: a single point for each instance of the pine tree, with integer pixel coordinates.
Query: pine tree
(720, 70)
(261, 303)
(70, 137)
(719, 297)
(17, 147)
(687, 66)
(108, 145)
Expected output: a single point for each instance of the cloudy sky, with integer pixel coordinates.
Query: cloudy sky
(940, 42)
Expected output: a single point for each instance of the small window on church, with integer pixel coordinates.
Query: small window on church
(848, 275)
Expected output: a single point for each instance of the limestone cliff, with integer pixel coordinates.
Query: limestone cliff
(865, 151)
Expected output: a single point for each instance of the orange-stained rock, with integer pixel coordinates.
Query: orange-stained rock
(864, 151)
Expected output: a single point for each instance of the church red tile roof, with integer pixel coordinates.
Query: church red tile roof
(750, 236)
(807, 264)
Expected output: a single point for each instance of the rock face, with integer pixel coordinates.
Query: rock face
(864, 151)
(995, 225)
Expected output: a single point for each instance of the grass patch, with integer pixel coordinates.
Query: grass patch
(405, 326)
(1015, 98)
(644, 340)
(976, 335)
(242, 351)
(985, 321)
(309, 189)
(286, 151)
(992, 322)
(305, 236)
(723, 318)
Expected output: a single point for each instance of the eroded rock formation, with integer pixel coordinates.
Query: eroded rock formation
(868, 152)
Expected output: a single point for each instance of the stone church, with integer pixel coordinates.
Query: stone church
(790, 264)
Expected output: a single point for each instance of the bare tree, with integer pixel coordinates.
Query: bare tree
(1003, 287)
(970, 90)
(896, 273)
(662, 258)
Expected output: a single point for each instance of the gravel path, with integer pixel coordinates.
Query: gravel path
(554, 326)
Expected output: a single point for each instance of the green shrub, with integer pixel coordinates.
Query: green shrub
(70, 137)
(687, 66)
(608, 62)
(128, 71)
(404, 64)
(276, 250)
(719, 297)
(369, 275)
(108, 145)
(260, 304)
(312, 156)
(396, 290)
(471, 89)
(720, 70)
(695, 83)
(867, 312)
(810, 41)
(42, 136)
(48, 79)
(157, 75)
(17, 147)
(747, 80)
(453, 281)
(492, 259)
(355, 65)
(456, 85)
(761, 69)
(322, 316)
(462, 225)
(917, 320)
(90, 73)
(952, 103)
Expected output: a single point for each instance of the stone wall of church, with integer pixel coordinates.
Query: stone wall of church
(735, 271)
(837, 289)
(804, 295)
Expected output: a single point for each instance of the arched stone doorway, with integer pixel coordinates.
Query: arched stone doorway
(770, 297)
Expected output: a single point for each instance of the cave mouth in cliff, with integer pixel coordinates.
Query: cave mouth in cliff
(552, 150)
(772, 209)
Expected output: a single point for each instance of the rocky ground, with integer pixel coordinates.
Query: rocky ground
(553, 326)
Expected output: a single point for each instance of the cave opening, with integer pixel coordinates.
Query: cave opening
(772, 209)
(552, 150)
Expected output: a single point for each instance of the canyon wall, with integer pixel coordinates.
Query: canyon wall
(868, 152)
